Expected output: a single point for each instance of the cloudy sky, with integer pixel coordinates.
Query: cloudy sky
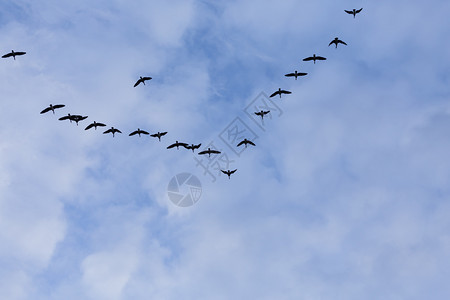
(345, 196)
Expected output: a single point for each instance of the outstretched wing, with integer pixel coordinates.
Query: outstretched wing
(146, 78)
(101, 124)
(133, 133)
(7, 55)
(58, 106)
(233, 171)
(108, 131)
(171, 146)
(138, 82)
(251, 143)
(65, 118)
(301, 74)
(349, 11)
(289, 75)
(144, 132)
(342, 42)
(214, 152)
(285, 92)
(259, 113)
(163, 133)
(20, 53)
(358, 11)
(224, 172)
(274, 94)
(240, 143)
(89, 126)
(46, 110)
(266, 112)
(196, 146)
(117, 130)
(331, 43)
(308, 58)
(320, 58)
(203, 152)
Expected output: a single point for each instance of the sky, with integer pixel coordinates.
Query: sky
(345, 195)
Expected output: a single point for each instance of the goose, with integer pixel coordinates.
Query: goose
(52, 108)
(141, 79)
(245, 142)
(279, 92)
(177, 144)
(95, 124)
(209, 152)
(139, 132)
(353, 12)
(262, 113)
(296, 74)
(228, 172)
(337, 41)
(314, 58)
(13, 54)
(112, 130)
(159, 135)
(77, 118)
(193, 147)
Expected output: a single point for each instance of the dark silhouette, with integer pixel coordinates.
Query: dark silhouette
(139, 132)
(209, 152)
(68, 117)
(141, 79)
(95, 124)
(262, 113)
(13, 54)
(353, 12)
(245, 142)
(112, 130)
(336, 41)
(77, 118)
(159, 135)
(193, 147)
(296, 74)
(314, 58)
(228, 172)
(279, 92)
(177, 144)
(52, 108)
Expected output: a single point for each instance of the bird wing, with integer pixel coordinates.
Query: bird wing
(82, 118)
(348, 11)
(320, 58)
(203, 152)
(302, 74)
(183, 144)
(331, 43)
(266, 112)
(20, 53)
(100, 124)
(144, 132)
(308, 58)
(171, 146)
(233, 171)
(58, 106)
(163, 133)
(108, 131)
(358, 11)
(285, 92)
(189, 147)
(290, 75)
(224, 172)
(133, 133)
(137, 82)
(46, 110)
(251, 143)
(274, 94)
(154, 135)
(117, 130)
(258, 113)
(64, 118)
(240, 143)
(214, 151)
(342, 42)
(146, 78)
(7, 55)
(197, 146)
(89, 126)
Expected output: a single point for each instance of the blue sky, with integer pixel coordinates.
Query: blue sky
(345, 196)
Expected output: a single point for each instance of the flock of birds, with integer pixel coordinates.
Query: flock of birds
(77, 118)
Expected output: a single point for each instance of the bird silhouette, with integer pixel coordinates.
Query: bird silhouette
(77, 118)
(159, 135)
(95, 124)
(177, 144)
(52, 108)
(314, 58)
(112, 130)
(209, 152)
(262, 113)
(245, 142)
(295, 74)
(13, 54)
(139, 132)
(336, 41)
(228, 172)
(193, 147)
(353, 12)
(279, 92)
(141, 79)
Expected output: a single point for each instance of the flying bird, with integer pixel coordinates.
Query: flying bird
(141, 79)
(177, 144)
(245, 142)
(353, 12)
(314, 58)
(159, 135)
(279, 92)
(77, 118)
(193, 147)
(52, 108)
(95, 124)
(337, 41)
(228, 172)
(209, 152)
(262, 113)
(139, 132)
(13, 54)
(296, 74)
(112, 130)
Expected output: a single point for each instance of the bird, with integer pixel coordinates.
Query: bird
(112, 130)
(77, 118)
(95, 124)
(177, 144)
(296, 74)
(159, 135)
(279, 92)
(209, 152)
(262, 113)
(353, 12)
(192, 147)
(141, 79)
(13, 54)
(68, 117)
(139, 132)
(314, 58)
(228, 172)
(245, 142)
(337, 41)
(52, 108)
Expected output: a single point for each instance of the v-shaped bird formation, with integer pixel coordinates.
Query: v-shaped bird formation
(206, 151)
